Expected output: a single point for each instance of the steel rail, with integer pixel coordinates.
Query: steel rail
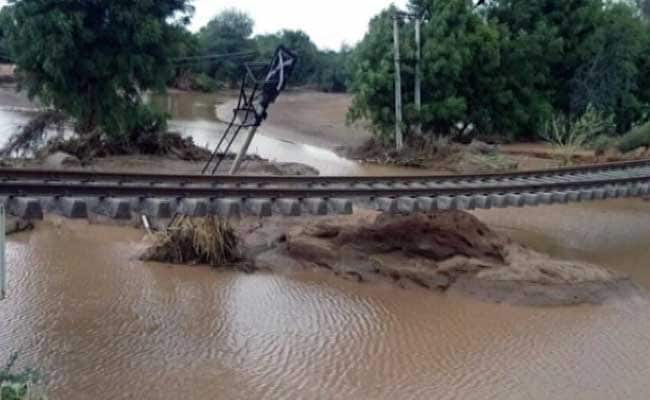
(10, 174)
(36, 189)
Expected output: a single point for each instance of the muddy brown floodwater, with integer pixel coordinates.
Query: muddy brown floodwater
(102, 325)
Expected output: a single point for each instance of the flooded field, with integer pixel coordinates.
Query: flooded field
(100, 324)
(103, 325)
(194, 115)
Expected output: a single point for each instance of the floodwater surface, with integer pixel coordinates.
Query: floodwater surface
(195, 115)
(99, 324)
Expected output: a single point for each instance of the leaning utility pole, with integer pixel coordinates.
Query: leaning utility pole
(399, 137)
(418, 73)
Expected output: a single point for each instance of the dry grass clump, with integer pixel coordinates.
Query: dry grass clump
(209, 240)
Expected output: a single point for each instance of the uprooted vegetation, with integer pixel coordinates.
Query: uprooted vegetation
(33, 136)
(45, 134)
(211, 240)
(437, 152)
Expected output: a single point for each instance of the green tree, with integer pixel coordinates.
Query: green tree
(94, 59)
(5, 26)
(460, 58)
(307, 69)
(228, 32)
(562, 29)
(507, 67)
(334, 70)
(372, 77)
(610, 80)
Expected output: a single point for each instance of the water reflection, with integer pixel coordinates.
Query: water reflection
(104, 325)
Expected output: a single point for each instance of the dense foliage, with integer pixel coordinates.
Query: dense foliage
(227, 33)
(94, 59)
(230, 33)
(5, 23)
(508, 67)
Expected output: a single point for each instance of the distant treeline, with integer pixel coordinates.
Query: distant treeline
(231, 33)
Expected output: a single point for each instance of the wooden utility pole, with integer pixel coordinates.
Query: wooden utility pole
(399, 137)
(418, 72)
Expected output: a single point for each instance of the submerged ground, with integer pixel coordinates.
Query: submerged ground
(101, 324)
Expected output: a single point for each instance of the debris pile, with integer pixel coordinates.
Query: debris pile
(209, 240)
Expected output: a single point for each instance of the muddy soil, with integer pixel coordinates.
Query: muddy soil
(452, 251)
(165, 165)
(321, 117)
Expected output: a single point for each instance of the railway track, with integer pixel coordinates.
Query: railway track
(74, 194)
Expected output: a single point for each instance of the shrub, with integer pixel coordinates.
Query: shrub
(17, 386)
(603, 142)
(203, 83)
(569, 136)
(637, 137)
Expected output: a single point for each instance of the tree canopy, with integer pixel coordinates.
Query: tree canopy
(94, 59)
(227, 33)
(231, 33)
(505, 67)
(5, 23)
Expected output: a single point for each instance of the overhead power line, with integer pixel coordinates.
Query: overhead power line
(215, 56)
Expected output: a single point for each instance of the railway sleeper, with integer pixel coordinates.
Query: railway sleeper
(157, 208)
(112, 207)
(193, 207)
(288, 207)
(227, 208)
(315, 206)
(259, 207)
(68, 207)
(408, 205)
(385, 204)
(340, 206)
(23, 207)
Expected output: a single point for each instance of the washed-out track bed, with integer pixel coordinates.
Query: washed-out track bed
(74, 194)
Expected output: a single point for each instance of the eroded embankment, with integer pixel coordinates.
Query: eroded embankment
(440, 251)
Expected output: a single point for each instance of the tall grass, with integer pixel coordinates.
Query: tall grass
(569, 136)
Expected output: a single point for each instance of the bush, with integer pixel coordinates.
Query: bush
(203, 83)
(17, 386)
(603, 142)
(637, 137)
(569, 136)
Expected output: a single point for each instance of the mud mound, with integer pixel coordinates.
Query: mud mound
(437, 236)
(447, 251)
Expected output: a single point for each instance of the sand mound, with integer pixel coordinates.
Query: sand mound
(447, 251)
